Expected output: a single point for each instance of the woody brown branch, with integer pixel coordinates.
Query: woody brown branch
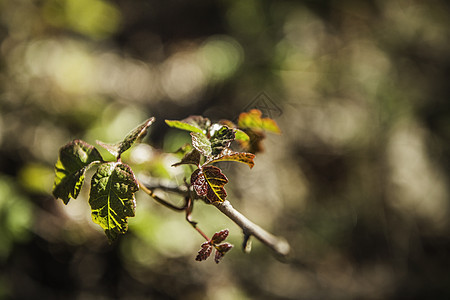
(279, 245)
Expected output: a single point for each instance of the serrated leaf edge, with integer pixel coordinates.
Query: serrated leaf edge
(118, 148)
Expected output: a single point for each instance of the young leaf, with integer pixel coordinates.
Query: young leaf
(220, 236)
(183, 126)
(205, 251)
(112, 197)
(241, 136)
(229, 155)
(197, 124)
(209, 182)
(74, 159)
(137, 133)
(221, 250)
(253, 120)
(221, 139)
(201, 143)
(192, 158)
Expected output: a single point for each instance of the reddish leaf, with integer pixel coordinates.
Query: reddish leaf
(219, 237)
(204, 252)
(221, 250)
(198, 181)
(209, 181)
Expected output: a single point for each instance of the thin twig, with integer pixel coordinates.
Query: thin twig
(189, 206)
(277, 244)
(167, 186)
(160, 200)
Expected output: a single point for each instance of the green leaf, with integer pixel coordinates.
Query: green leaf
(201, 143)
(209, 182)
(197, 124)
(229, 155)
(253, 120)
(183, 126)
(74, 159)
(241, 136)
(112, 197)
(137, 133)
(192, 158)
(221, 139)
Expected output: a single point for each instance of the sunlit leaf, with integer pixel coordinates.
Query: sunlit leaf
(220, 236)
(192, 158)
(229, 155)
(204, 252)
(74, 159)
(241, 136)
(253, 120)
(183, 126)
(114, 149)
(221, 139)
(221, 250)
(112, 197)
(134, 135)
(197, 124)
(209, 182)
(201, 143)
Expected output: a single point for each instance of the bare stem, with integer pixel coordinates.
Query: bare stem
(189, 206)
(194, 224)
(277, 244)
(158, 199)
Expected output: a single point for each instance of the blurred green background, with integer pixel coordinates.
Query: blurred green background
(357, 182)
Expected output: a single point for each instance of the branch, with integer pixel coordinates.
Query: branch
(277, 244)
(152, 183)
(150, 192)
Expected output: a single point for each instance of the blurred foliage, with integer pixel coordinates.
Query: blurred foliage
(357, 182)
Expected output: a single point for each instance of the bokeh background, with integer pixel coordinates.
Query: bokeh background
(358, 182)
